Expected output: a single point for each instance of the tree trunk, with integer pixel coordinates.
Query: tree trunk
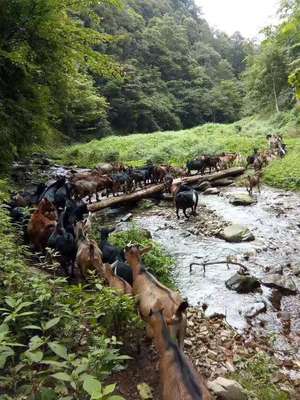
(153, 189)
(275, 93)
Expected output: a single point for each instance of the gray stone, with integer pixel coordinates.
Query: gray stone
(242, 199)
(296, 269)
(254, 309)
(242, 283)
(283, 283)
(237, 233)
(227, 389)
(203, 186)
(222, 182)
(126, 217)
(211, 191)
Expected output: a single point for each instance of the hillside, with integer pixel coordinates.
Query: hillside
(177, 147)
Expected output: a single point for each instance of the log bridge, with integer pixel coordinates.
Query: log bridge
(154, 189)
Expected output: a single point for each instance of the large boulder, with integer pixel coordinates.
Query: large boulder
(284, 284)
(236, 233)
(242, 283)
(242, 199)
(227, 389)
(222, 182)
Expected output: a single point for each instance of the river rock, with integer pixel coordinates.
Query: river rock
(237, 233)
(242, 199)
(254, 309)
(127, 217)
(242, 283)
(211, 191)
(222, 182)
(203, 186)
(296, 269)
(283, 283)
(227, 389)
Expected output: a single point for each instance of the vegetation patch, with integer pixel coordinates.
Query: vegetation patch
(157, 261)
(177, 147)
(57, 341)
(256, 374)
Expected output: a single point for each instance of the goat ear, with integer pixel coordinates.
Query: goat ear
(145, 250)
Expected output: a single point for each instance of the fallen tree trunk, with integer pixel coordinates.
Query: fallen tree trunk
(153, 189)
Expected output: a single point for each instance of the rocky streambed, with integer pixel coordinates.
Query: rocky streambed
(268, 315)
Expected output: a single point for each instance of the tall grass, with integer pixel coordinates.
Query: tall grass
(177, 147)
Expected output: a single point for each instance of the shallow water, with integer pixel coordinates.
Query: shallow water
(274, 220)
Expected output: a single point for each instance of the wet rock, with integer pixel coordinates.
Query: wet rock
(242, 199)
(222, 182)
(203, 186)
(254, 309)
(127, 217)
(211, 191)
(285, 284)
(227, 389)
(146, 233)
(237, 233)
(296, 270)
(242, 283)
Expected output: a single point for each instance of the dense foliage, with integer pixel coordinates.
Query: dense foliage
(46, 60)
(178, 72)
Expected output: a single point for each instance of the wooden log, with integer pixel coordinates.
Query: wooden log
(153, 189)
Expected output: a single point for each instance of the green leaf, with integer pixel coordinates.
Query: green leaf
(92, 386)
(11, 302)
(59, 349)
(35, 356)
(35, 343)
(51, 323)
(109, 389)
(46, 394)
(115, 397)
(35, 327)
(4, 354)
(62, 376)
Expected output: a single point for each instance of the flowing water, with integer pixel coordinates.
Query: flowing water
(275, 222)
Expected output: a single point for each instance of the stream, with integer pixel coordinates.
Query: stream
(274, 221)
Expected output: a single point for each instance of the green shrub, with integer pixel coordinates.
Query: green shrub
(157, 261)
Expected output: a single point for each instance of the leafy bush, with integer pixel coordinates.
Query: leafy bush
(157, 261)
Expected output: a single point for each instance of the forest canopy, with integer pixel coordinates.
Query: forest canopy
(88, 68)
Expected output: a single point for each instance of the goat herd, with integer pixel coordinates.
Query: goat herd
(61, 221)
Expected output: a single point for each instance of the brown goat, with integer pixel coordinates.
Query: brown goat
(116, 282)
(42, 223)
(179, 379)
(252, 182)
(88, 257)
(149, 290)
